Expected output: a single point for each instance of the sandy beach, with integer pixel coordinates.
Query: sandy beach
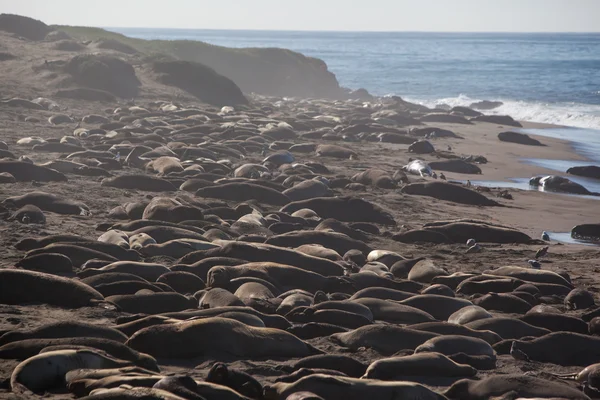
(169, 120)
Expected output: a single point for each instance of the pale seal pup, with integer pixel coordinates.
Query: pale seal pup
(40, 372)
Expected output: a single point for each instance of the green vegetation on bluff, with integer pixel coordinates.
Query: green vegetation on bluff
(268, 71)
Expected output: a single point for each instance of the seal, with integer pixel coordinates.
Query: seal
(152, 303)
(185, 387)
(26, 172)
(244, 192)
(139, 182)
(239, 381)
(49, 263)
(186, 340)
(48, 202)
(568, 349)
(440, 307)
(418, 167)
(508, 328)
(345, 209)
(453, 344)
(468, 314)
(386, 339)
(554, 183)
(336, 362)
(519, 386)
(329, 387)
(46, 289)
(449, 192)
(24, 349)
(422, 364)
(446, 328)
(41, 372)
(63, 329)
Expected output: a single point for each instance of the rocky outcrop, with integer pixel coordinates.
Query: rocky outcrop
(201, 81)
(520, 138)
(266, 71)
(26, 27)
(102, 72)
(498, 119)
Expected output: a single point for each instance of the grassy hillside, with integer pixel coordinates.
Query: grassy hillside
(269, 71)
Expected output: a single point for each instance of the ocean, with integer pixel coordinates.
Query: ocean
(550, 78)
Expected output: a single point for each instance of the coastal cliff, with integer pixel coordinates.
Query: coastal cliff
(267, 71)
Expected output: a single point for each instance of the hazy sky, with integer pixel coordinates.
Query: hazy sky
(357, 15)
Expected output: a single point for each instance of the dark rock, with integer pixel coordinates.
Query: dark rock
(498, 119)
(200, 81)
(107, 73)
(26, 27)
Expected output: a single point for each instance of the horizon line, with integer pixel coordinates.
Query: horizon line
(337, 31)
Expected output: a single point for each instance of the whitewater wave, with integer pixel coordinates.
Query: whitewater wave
(566, 114)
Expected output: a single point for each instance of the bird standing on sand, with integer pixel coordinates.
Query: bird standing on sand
(535, 264)
(545, 236)
(468, 183)
(442, 176)
(541, 252)
(434, 175)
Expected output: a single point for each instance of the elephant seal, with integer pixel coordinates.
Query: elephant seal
(556, 183)
(345, 209)
(518, 385)
(440, 307)
(63, 329)
(453, 344)
(336, 362)
(152, 303)
(567, 349)
(579, 299)
(394, 312)
(41, 372)
(386, 339)
(449, 192)
(445, 328)
(422, 364)
(182, 386)
(507, 328)
(49, 263)
(238, 191)
(48, 202)
(46, 289)
(329, 387)
(503, 302)
(469, 314)
(148, 271)
(461, 231)
(236, 380)
(28, 214)
(186, 340)
(530, 275)
(338, 242)
(139, 182)
(26, 172)
(418, 167)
